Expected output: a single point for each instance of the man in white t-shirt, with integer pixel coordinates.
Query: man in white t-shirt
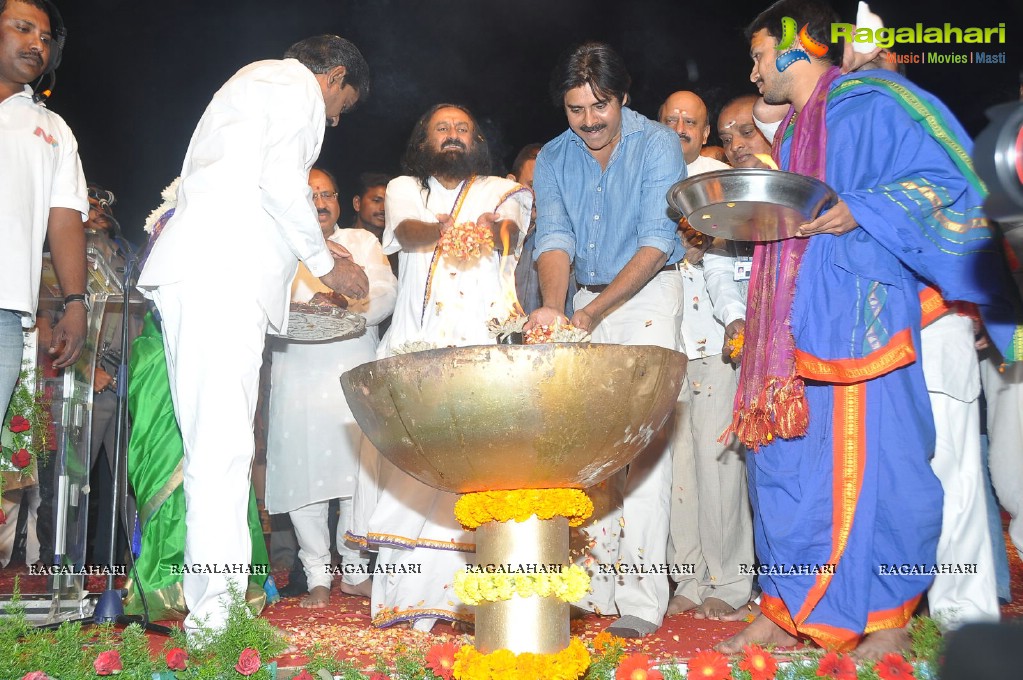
(247, 164)
(43, 193)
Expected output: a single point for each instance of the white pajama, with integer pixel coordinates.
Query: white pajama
(214, 353)
(953, 385)
(650, 317)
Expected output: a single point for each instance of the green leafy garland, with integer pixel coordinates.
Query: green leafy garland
(25, 436)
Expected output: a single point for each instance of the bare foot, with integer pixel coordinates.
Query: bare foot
(679, 604)
(763, 631)
(316, 598)
(713, 608)
(881, 642)
(361, 589)
(747, 612)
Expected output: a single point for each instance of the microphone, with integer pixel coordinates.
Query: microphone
(40, 96)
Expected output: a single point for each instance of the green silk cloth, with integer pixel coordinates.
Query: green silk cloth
(155, 453)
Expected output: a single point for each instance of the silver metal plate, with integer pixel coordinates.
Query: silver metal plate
(316, 323)
(750, 204)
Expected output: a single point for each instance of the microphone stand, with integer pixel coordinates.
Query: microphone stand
(110, 608)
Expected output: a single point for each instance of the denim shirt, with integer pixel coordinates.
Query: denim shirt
(602, 219)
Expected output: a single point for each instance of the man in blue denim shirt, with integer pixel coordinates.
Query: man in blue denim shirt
(600, 193)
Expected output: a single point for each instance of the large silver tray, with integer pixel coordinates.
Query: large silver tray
(750, 204)
(316, 323)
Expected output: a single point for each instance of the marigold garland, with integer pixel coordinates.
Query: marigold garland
(474, 588)
(466, 241)
(568, 664)
(476, 509)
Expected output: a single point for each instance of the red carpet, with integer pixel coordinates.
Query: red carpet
(344, 625)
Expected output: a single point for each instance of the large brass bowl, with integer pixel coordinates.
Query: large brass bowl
(494, 417)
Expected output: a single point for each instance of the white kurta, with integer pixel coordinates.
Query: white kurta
(220, 275)
(312, 438)
(411, 522)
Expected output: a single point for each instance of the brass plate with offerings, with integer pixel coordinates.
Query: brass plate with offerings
(750, 204)
(318, 323)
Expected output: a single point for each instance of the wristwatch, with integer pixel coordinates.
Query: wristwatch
(77, 297)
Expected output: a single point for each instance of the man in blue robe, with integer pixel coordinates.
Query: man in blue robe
(832, 398)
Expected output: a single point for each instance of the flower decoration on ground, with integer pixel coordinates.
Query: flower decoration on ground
(248, 661)
(837, 667)
(605, 640)
(709, 665)
(441, 660)
(637, 667)
(893, 667)
(466, 241)
(35, 675)
(568, 664)
(735, 345)
(476, 509)
(758, 662)
(108, 662)
(568, 585)
(177, 659)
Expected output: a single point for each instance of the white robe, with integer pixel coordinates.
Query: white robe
(312, 438)
(412, 523)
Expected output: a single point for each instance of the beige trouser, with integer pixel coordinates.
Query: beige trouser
(711, 526)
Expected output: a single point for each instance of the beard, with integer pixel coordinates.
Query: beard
(451, 164)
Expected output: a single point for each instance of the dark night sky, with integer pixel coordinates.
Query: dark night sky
(137, 74)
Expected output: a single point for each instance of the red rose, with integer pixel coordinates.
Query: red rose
(107, 662)
(248, 661)
(35, 675)
(20, 424)
(3, 518)
(304, 675)
(21, 458)
(177, 659)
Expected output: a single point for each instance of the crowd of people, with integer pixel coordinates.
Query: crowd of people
(823, 473)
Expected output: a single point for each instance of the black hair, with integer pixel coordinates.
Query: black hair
(594, 64)
(528, 153)
(368, 180)
(816, 16)
(328, 173)
(323, 52)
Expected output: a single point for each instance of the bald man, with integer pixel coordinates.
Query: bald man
(710, 525)
(686, 114)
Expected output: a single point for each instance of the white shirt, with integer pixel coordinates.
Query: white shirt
(40, 169)
(245, 215)
(711, 300)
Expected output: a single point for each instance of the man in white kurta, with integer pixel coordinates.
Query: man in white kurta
(413, 524)
(244, 220)
(711, 526)
(313, 439)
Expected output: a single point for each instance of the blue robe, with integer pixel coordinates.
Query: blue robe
(855, 498)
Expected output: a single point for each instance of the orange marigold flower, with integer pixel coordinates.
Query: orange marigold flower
(893, 667)
(637, 667)
(836, 667)
(441, 659)
(758, 662)
(604, 639)
(709, 665)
